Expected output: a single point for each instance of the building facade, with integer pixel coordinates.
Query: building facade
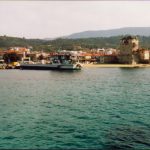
(128, 50)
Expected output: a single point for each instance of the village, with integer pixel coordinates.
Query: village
(128, 52)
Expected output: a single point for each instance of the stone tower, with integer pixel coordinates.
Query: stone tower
(128, 50)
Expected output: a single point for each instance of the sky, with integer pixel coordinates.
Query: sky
(51, 19)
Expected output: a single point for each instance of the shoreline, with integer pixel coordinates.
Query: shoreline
(115, 65)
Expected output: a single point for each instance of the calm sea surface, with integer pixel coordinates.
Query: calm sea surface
(99, 108)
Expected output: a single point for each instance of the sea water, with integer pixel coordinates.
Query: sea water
(95, 108)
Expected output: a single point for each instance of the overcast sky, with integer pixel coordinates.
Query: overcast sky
(48, 19)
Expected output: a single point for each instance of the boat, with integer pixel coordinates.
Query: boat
(53, 66)
(57, 61)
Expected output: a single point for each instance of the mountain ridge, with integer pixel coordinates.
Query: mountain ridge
(141, 31)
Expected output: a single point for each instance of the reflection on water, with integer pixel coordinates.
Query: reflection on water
(100, 108)
(128, 137)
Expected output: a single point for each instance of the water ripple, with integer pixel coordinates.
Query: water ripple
(98, 108)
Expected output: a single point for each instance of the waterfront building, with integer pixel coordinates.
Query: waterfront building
(128, 50)
(144, 56)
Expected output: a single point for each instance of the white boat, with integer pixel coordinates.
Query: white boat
(58, 61)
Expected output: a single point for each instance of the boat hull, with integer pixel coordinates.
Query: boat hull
(50, 66)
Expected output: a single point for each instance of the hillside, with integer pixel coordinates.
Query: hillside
(68, 44)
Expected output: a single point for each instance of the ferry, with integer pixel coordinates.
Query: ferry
(57, 61)
(53, 66)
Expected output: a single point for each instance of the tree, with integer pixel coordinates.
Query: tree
(10, 57)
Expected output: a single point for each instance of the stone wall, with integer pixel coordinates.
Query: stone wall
(128, 50)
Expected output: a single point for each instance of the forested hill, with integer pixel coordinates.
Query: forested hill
(6, 41)
(68, 44)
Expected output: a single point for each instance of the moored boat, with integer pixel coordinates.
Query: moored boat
(76, 66)
(57, 61)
